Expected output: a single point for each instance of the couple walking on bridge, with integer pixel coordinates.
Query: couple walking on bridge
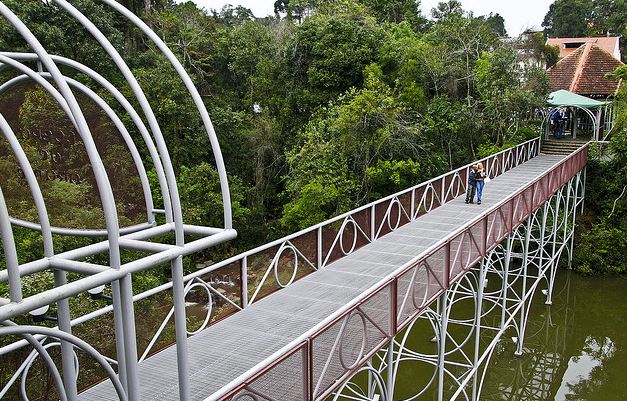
(476, 180)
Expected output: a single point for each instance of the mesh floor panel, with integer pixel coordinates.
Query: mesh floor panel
(230, 348)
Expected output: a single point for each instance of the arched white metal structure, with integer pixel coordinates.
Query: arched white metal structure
(594, 117)
(139, 237)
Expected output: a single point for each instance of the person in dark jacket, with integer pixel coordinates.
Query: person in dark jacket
(472, 185)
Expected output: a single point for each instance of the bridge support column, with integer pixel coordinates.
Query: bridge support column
(555, 219)
(443, 330)
(482, 283)
(390, 372)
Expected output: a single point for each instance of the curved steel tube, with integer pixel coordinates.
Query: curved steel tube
(102, 180)
(77, 342)
(31, 179)
(52, 368)
(102, 183)
(126, 105)
(141, 170)
(176, 264)
(10, 253)
(215, 145)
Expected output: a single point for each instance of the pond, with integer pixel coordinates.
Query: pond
(575, 349)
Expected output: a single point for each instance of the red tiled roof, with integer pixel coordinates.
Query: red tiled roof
(609, 44)
(583, 72)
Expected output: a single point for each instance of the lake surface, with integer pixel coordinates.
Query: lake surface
(575, 349)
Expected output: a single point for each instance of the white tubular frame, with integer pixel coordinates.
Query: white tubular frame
(136, 237)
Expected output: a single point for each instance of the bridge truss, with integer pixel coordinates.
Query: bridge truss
(498, 292)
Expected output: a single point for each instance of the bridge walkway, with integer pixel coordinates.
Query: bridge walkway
(226, 351)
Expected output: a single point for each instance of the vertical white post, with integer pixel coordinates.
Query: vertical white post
(244, 275)
(477, 323)
(523, 321)
(443, 306)
(67, 350)
(180, 327)
(390, 377)
(508, 257)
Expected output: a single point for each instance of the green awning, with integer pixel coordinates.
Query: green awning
(565, 98)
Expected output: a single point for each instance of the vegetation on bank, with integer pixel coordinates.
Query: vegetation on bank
(601, 245)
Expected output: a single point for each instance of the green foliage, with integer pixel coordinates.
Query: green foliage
(567, 18)
(601, 250)
(388, 177)
(320, 185)
(602, 245)
(326, 106)
(201, 196)
(397, 11)
(502, 97)
(332, 48)
(61, 34)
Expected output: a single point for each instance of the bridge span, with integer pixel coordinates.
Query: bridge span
(303, 341)
(325, 313)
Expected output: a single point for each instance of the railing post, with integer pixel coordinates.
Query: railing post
(244, 281)
(393, 307)
(413, 207)
(310, 369)
(319, 248)
(390, 376)
(373, 220)
(447, 265)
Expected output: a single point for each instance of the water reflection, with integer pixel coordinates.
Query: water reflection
(575, 350)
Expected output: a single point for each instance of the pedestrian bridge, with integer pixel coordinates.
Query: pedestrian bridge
(308, 313)
(300, 342)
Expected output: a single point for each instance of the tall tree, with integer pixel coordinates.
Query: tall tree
(568, 18)
(447, 8)
(496, 23)
(397, 11)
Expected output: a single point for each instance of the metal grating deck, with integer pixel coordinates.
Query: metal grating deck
(233, 346)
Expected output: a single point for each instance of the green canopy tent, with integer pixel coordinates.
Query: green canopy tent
(564, 98)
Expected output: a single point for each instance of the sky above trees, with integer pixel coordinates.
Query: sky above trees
(518, 15)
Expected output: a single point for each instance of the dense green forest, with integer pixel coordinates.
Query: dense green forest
(319, 109)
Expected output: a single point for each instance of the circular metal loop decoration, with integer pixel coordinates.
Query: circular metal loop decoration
(209, 306)
(276, 265)
(352, 388)
(419, 303)
(456, 190)
(341, 239)
(29, 363)
(429, 192)
(364, 340)
(396, 202)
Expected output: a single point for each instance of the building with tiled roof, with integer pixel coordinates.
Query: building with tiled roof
(569, 45)
(584, 72)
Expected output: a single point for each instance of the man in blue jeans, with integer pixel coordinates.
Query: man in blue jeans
(472, 185)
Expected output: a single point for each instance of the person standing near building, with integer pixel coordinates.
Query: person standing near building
(470, 192)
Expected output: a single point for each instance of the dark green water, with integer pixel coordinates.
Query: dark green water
(575, 350)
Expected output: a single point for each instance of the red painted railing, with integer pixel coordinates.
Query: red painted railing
(331, 353)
